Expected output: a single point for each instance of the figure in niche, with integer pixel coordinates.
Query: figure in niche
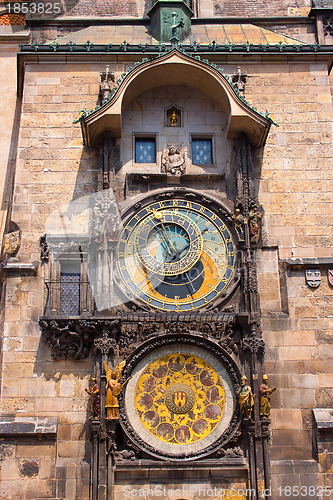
(240, 221)
(95, 398)
(113, 389)
(174, 161)
(105, 219)
(265, 400)
(246, 398)
(255, 216)
(173, 119)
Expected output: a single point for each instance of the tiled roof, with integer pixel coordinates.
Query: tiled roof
(203, 34)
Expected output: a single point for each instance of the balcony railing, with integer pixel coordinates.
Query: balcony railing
(68, 296)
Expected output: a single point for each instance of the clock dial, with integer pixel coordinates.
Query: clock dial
(176, 255)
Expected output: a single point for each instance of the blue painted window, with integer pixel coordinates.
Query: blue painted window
(145, 150)
(202, 151)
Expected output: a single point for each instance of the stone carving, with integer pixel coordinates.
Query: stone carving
(246, 398)
(265, 400)
(253, 345)
(139, 327)
(73, 339)
(126, 455)
(239, 79)
(174, 160)
(239, 221)
(236, 452)
(105, 219)
(95, 398)
(105, 344)
(113, 389)
(12, 242)
(328, 26)
(255, 216)
(44, 248)
(106, 85)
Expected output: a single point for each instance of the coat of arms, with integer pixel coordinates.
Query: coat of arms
(313, 277)
(11, 242)
(330, 276)
(174, 160)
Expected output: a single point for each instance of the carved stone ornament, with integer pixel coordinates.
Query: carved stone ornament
(44, 248)
(236, 452)
(12, 242)
(105, 219)
(75, 338)
(239, 80)
(138, 328)
(105, 344)
(253, 345)
(174, 160)
(107, 81)
(328, 26)
(255, 222)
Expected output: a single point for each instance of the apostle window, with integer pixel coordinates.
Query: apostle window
(202, 153)
(145, 150)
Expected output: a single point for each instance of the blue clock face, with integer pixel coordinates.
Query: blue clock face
(176, 255)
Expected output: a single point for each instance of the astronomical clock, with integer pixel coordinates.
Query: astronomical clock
(177, 264)
(177, 255)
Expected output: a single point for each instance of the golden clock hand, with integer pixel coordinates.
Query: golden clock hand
(168, 237)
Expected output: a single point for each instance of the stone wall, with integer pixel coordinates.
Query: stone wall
(294, 186)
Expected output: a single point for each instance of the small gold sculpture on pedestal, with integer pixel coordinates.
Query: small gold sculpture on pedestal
(113, 389)
(246, 398)
(264, 394)
(173, 119)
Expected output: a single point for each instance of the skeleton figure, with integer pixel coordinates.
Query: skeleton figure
(174, 161)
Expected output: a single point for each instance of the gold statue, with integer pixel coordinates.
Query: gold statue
(173, 119)
(113, 389)
(265, 400)
(246, 398)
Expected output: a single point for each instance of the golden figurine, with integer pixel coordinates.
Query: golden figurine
(246, 398)
(264, 394)
(113, 389)
(95, 398)
(173, 119)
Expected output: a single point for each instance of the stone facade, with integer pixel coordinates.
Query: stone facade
(47, 443)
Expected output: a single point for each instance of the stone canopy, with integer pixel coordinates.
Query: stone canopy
(176, 68)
